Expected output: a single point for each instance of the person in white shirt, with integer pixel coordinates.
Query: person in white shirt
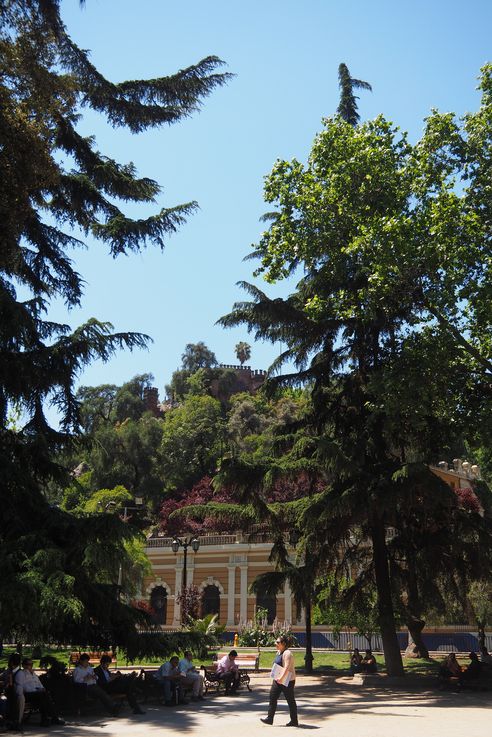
(28, 686)
(85, 680)
(192, 677)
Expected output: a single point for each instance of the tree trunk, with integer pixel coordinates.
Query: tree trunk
(308, 658)
(391, 648)
(481, 635)
(416, 647)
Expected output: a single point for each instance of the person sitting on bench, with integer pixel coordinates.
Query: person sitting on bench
(29, 687)
(170, 678)
(228, 672)
(192, 678)
(117, 683)
(368, 663)
(485, 656)
(355, 661)
(10, 710)
(85, 680)
(473, 669)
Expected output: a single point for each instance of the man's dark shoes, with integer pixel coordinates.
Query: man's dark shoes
(138, 710)
(266, 720)
(58, 721)
(292, 724)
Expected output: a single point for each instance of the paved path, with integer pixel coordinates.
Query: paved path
(326, 707)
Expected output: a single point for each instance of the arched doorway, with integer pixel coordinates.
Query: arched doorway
(158, 602)
(268, 602)
(210, 600)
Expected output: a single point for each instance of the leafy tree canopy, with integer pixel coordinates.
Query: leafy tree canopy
(390, 324)
(347, 107)
(197, 356)
(57, 575)
(192, 439)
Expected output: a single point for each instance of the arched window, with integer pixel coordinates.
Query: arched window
(210, 600)
(268, 602)
(158, 602)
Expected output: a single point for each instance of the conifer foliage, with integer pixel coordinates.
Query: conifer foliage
(56, 188)
(347, 108)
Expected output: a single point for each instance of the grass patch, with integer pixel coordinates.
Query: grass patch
(327, 661)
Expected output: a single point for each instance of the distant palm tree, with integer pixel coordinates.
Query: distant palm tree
(347, 109)
(243, 352)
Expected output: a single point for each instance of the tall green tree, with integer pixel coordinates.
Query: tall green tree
(480, 598)
(392, 320)
(108, 403)
(197, 356)
(347, 107)
(198, 359)
(192, 441)
(55, 188)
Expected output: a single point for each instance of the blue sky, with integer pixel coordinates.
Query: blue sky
(285, 54)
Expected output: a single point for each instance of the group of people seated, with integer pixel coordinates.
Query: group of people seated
(450, 669)
(362, 663)
(101, 684)
(22, 686)
(177, 677)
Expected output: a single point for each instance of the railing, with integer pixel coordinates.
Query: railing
(165, 542)
(218, 540)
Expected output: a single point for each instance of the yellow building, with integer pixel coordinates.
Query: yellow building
(223, 569)
(225, 566)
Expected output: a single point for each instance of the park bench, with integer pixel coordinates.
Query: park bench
(248, 661)
(94, 657)
(244, 661)
(150, 688)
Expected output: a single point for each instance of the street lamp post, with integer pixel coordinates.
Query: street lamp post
(185, 543)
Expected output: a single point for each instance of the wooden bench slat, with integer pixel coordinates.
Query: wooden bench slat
(94, 657)
(244, 660)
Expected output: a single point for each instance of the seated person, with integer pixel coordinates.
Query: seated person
(117, 683)
(29, 688)
(170, 678)
(85, 678)
(191, 677)
(228, 671)
(368, 663)
(355, 661)
(485, 656)
(10, 711)
(473, 669)
(450, 668)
